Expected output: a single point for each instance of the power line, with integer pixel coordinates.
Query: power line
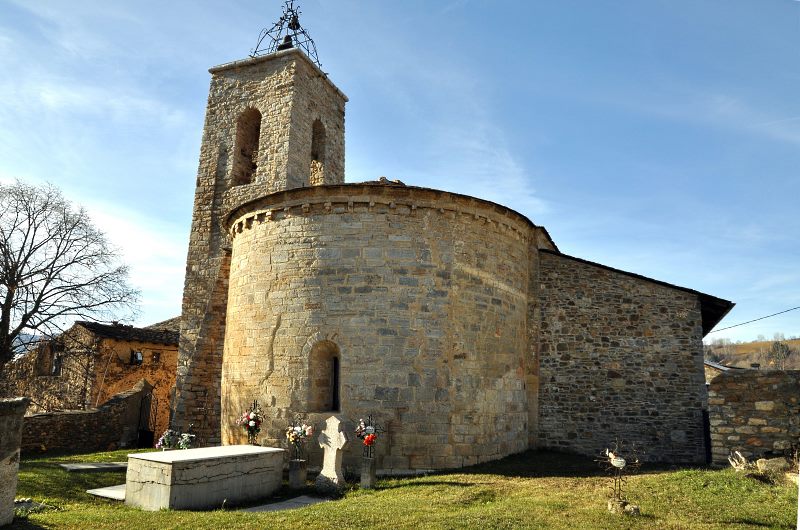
(755, 320)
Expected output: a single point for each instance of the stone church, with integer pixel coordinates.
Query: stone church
(455, 321)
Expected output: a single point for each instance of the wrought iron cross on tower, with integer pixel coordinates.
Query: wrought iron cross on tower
(286, 33)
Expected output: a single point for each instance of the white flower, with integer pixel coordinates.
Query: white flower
(252, 415)
(298, 429)
(252, 423)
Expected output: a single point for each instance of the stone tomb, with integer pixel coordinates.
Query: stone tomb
(204, 478)
(11, 414)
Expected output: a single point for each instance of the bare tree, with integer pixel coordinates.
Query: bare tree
(710, 354)
(55, 267)
(778, 353)
(724, 349)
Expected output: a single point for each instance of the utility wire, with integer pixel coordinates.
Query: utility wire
(755, 320)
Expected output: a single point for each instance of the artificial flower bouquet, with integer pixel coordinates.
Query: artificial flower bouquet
(251, 421)
(297, 434)
(367, 431)
(174, 440)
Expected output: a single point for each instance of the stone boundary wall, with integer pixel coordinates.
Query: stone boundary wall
(754, 412)
(11, 413)
(114, 424)
(620, 357)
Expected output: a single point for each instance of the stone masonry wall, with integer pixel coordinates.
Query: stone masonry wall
(711, 372)
(32, 376)
(423, 293)
(115, 424)
(114, 374)
(11, 413)
(91, 375)
(754, 412)
(291, 94)
(620, 356)
(315, 98)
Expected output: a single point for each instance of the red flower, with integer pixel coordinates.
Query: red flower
(369, 439)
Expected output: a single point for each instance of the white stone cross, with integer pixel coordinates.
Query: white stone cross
(333, 439)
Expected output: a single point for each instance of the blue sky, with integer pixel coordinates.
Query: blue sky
(659, 136)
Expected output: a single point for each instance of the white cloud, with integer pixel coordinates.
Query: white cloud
(58, 96)
(708, 108)
(460, 144)
(473, 158)
(154, 251)
(79, 30)
(729, 111)
(456, 5)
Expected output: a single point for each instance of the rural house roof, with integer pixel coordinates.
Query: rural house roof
(123, 332)
(721, 367)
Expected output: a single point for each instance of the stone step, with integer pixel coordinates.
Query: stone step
(116, 493)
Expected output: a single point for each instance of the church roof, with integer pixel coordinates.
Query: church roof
(712, 309)
(387, 187)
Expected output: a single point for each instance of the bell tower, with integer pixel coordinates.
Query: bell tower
(274, 121)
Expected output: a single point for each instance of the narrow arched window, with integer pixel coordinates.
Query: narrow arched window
(57, 363)
(335, 386)
(324, 377)
(317, 173)
(245, 159)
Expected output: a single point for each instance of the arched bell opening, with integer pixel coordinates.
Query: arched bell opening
(245, 161)
(317, 170)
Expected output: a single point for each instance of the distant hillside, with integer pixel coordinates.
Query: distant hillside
(23, 341)
(746, 353)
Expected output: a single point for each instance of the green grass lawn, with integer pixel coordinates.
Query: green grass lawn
(532, 490)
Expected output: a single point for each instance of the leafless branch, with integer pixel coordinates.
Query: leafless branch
(55, 267)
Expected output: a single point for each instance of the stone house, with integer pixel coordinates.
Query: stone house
(91, 362)
(456, 321)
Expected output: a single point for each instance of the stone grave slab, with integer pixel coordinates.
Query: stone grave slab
(289, 504)
(95, 466)
(204, 478)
